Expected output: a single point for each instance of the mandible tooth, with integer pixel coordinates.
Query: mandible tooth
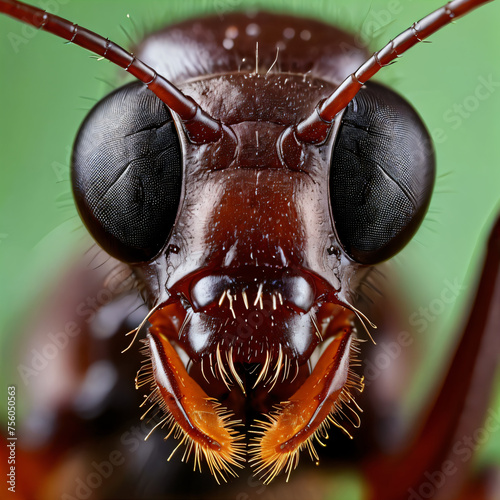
(263, 372)
(229, 356)
(259, 295)
(221, 300)
(245, 298)
(224, 375)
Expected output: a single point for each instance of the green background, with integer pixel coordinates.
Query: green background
(46, 88)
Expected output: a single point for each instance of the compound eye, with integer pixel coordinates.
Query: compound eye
(127, 173)
(382, 174)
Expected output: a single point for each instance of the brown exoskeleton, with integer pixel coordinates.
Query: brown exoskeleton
(249, 212)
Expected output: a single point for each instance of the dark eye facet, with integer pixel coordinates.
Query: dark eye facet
(382, 174)
(127, 173)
